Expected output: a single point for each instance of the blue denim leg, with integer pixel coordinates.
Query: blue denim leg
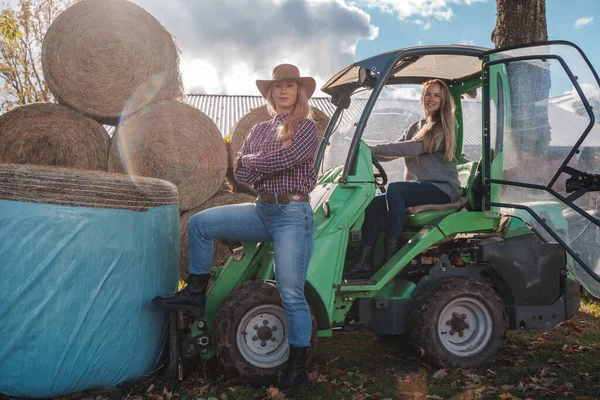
(407, 194)
(371, 228)
(288, 226)
(291, 226)
(241, 222)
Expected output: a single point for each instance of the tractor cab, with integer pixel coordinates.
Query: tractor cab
(527, 141)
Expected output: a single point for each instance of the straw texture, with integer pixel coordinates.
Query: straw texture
(175, 142)
(79, 188)
(98, 52)
(51, 134)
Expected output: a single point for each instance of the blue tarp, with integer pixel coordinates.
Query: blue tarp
(75, 292)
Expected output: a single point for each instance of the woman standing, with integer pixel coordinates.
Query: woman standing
(277, 159)
(430, 175)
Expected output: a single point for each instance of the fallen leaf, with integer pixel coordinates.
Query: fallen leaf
(506, 396)
(572, 325)
(412, 386)
(150, 388)
(274, 394)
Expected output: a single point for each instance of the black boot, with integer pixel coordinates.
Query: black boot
(363, 265)
(294, 375)
(192, 297)
(392, 245)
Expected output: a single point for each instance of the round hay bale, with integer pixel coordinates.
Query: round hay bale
(97, 53)
(240, 131)
(220, 249)
(51, 134)
(172, 141)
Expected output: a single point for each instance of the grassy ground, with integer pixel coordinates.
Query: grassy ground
(560, 363)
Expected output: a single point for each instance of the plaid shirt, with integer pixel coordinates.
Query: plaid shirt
(272, 169)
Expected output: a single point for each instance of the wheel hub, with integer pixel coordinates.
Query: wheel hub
(465, 326)
(262, 336)
(264, 333)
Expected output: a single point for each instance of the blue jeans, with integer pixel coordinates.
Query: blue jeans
(399, 195)
(288, 226)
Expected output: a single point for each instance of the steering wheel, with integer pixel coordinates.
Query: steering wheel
(380, 177)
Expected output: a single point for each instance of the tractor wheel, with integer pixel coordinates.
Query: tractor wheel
(458, 323)
(250, 334)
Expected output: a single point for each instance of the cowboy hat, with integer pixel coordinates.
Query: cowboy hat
(287, 72)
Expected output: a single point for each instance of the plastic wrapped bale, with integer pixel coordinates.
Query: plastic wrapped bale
(97, 53)
(83, 254)
(220, 249)
(172, 141)
(240, 131)
(51, 134)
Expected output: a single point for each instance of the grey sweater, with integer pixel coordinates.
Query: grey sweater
(420, 166)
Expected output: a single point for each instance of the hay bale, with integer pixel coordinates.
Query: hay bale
(172, 141)
(220, 249)
(51, 134)
(78, 188)
(240, 131)
(97, 53)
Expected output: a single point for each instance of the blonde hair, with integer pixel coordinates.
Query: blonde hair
(300, 111)
(439, 126)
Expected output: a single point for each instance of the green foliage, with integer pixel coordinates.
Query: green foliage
(9, 28)
(22, 31)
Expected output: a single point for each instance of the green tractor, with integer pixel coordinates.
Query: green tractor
(513, 256)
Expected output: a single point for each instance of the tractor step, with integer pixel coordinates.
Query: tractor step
(358, 282)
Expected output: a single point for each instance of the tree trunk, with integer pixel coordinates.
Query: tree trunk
(520, 22)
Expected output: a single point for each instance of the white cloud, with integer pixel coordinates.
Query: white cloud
(589, 90)
(440, 10)
(407, 92)
(583, 22)
(423, 24)
(468, 42)
(227, 44)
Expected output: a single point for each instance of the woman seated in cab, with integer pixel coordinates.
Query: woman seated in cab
(430, 175)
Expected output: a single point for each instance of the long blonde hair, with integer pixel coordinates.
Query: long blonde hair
(300, 111)
(439, 126)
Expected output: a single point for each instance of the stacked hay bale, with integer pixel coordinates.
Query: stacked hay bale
(240, 131)
(51, 134)
(97, 53)
(175, 142)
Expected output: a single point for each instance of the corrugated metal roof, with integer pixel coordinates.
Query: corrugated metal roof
(226, 110)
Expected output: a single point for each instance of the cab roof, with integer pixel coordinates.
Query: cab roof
(413, 65)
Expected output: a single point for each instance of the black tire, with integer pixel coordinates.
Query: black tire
(249, 306)
(448, 308)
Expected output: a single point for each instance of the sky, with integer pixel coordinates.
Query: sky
(227, 44)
